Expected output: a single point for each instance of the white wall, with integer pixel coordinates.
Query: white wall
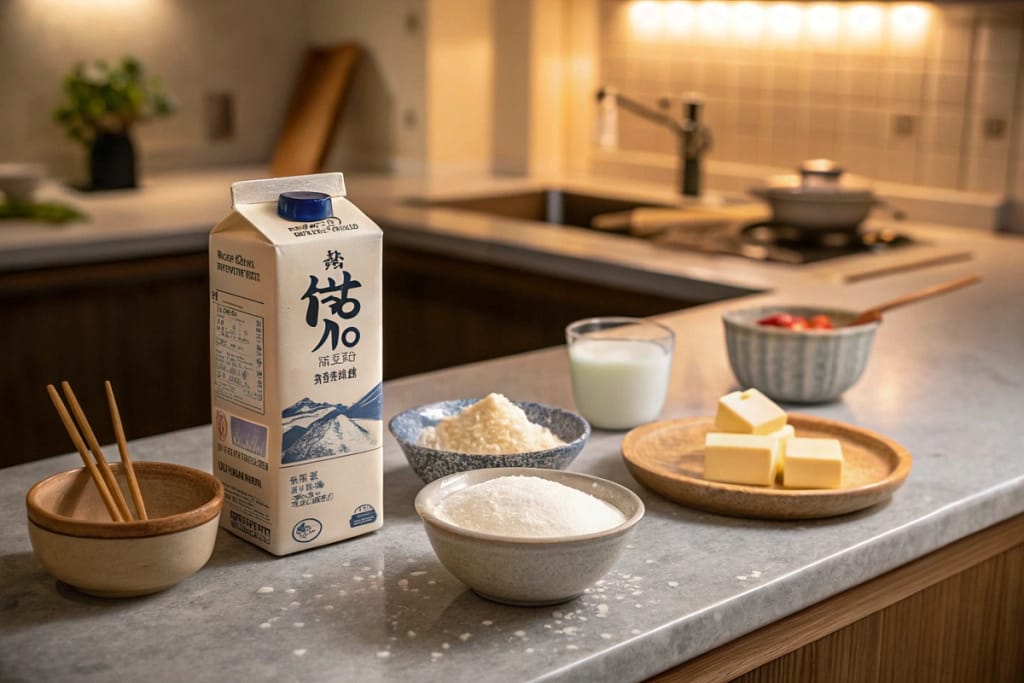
(460, 85)
(382, 126)
(249, 48)
(422, 97)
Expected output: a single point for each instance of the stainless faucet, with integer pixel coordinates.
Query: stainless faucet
(694, 137)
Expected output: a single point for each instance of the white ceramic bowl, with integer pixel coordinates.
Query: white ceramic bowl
(797, 366)
(18, 181)
(76, 542)
(528, 571)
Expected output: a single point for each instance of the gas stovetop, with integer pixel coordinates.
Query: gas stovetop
(766, 241)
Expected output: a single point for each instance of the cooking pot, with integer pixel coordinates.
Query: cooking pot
(820, 197)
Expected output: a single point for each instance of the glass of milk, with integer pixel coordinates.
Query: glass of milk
(620, 369)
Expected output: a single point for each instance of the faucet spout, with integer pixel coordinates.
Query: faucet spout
(693, 136)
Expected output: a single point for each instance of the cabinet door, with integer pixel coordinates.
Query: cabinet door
(142, 324)
(441, 311)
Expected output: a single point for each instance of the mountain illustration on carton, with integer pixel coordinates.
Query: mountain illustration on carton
(312, 430)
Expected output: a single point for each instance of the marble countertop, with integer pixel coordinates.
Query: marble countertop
(945, 380)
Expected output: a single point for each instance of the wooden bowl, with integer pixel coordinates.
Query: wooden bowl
(74, 539)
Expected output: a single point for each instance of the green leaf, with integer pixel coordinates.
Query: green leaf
(105, 98)
(49, 212)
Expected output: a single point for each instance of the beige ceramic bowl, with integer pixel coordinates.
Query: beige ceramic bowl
(73, 537)
(527, 571)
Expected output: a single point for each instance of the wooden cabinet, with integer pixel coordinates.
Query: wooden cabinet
(441, 311)
(954, 615)
(141, 324)
(144, 325)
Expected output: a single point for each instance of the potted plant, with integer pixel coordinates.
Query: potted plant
(102, 103)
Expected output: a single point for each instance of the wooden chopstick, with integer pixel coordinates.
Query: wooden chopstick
(94, 446)
(69, 425)
(122, 447)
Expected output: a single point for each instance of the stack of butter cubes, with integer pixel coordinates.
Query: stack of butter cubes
(752, 443)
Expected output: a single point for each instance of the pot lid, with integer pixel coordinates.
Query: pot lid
(821, 179)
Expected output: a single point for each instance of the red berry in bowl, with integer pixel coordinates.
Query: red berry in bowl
(777, 320)
(821, 322)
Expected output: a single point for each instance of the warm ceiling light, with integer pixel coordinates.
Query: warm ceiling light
(714, 18)
(865, 21)
(645, 16)
(909, 22)
(747, 19)
(784, 20)
(823, 21)
(680, 17)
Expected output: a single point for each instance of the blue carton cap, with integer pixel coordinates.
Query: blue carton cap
(304, 206)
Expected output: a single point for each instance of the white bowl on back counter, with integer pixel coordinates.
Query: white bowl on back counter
(19, 181)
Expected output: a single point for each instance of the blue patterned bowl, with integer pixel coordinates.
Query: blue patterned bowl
(799, 367)
(431, 463)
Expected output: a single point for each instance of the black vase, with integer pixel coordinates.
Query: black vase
(112, 162)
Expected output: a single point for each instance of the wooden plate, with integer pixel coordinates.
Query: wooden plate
(668, 457)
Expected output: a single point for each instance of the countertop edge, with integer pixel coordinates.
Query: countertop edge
(632, 660)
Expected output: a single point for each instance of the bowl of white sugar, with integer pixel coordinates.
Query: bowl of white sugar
(528, 536)
(446, 437)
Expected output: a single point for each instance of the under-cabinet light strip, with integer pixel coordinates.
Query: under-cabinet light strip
(783, 21)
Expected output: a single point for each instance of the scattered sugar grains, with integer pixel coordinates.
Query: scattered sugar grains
(494, 426)
(527, 507)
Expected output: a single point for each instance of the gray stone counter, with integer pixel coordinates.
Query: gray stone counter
(946, 379)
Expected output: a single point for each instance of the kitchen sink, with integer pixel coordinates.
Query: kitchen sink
(560, 207)
(733, 225)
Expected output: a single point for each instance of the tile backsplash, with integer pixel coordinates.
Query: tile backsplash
(916, 94)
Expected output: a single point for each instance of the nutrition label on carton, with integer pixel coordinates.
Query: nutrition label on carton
(239, 354)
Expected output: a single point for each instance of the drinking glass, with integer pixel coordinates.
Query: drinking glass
(620, 369)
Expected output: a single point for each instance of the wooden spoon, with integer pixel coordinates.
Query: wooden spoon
(875, 314)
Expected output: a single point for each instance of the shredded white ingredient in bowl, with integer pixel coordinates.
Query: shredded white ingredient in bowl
(527, 507)
(492, 426)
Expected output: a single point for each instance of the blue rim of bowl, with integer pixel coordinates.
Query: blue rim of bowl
(422, 509)
(581, 439)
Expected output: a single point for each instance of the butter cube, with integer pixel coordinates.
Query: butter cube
(748, 412)
(783, 435)
(741, 458)
(813, 464)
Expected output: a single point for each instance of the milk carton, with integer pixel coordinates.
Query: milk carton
(295, 345)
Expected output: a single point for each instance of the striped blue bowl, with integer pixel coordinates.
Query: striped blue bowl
(799, 367)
